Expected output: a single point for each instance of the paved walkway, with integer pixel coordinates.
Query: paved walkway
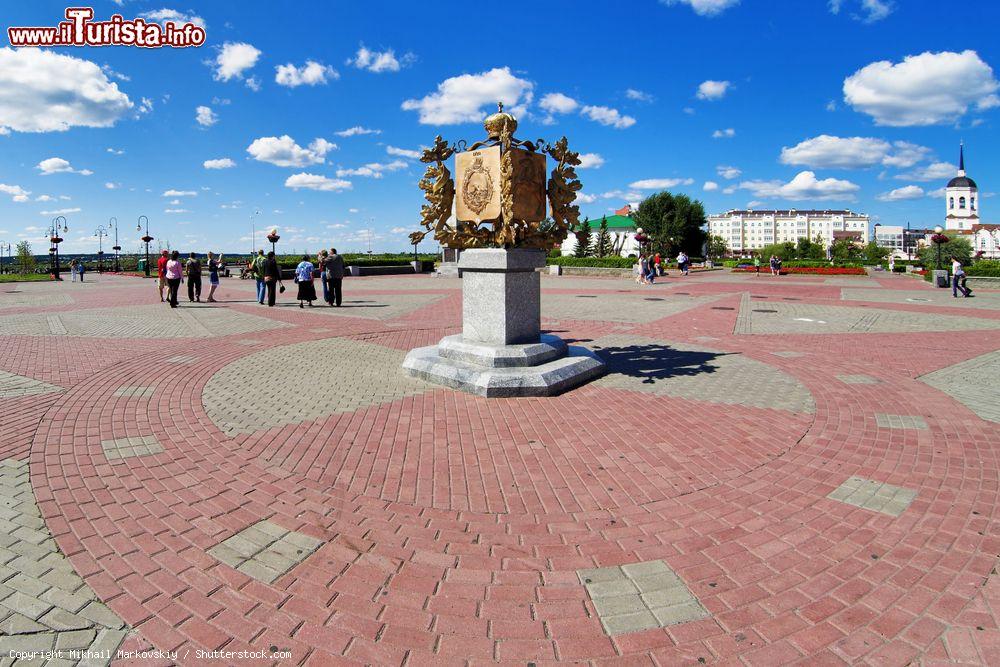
(774, 471)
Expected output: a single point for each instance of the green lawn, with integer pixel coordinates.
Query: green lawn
(23, 278)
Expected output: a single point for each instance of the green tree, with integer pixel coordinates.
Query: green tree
(844, 250)
(25, 258)
(874, 253)
(604, 243)
(785, 251)
(716, 247)
(673, 222)
(806, 249)
(583, 241)
(958, 247)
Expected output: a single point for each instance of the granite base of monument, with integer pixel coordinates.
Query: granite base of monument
(501, 351)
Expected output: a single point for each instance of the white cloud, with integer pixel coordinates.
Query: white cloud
(727, 133)
(163, 15)
(38, 198)
(373, 169)
(638, 95)
(585, 198)
(928, 89)
(205, 116)
(829, 152)
(805, 185)
(176, 210)
(727, 172)
(220, 163)
(357, 130)
(112, 186)
(57, 165)
(940, 192)
(253, 83)
(403, 152)
(60, 211)
(145, 106)
(380, 61)
(179, 193)
(310, 74)
(114, 151)
(704, 7)
(754, 204)
(44, 91)
(234, 59)
(400, 230)
(284, 152)
(933, 172)
(590, 161)
(710, 186)
(903, 193)
(608, 116)
(874, 10)
(17, 193)
(558, 103)
(316, 182)
(460, 99)
(712, 90)
(660, 183)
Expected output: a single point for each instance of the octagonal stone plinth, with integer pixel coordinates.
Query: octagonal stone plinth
(501, 351)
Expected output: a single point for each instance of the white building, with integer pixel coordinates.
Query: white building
(961, 199)
(751, 230)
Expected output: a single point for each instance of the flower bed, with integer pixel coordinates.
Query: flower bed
(808, 270)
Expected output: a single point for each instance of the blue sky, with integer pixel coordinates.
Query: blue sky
(787, 103)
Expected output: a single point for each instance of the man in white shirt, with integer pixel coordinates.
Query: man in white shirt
(958, 280)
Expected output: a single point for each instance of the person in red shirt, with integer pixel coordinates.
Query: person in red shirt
(161, 272)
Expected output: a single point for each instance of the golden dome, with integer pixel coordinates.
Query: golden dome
(495, 123)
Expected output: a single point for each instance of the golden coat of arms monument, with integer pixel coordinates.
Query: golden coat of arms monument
(494, 210)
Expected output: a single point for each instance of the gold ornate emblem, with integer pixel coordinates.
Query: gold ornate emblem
(520, 222)
(477, 186)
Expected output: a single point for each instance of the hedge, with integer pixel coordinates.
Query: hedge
(602, 262)
(794, 264)
(985, 267)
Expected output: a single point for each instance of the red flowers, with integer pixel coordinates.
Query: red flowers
(813, 270)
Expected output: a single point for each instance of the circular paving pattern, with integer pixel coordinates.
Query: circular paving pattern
(806, 505)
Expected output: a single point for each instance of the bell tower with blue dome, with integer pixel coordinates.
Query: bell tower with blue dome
(961, 198)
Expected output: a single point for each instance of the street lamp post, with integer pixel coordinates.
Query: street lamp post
(253, 232)
(939, 239)
(55, 240)
(146, 238)
(100, 233)
(113, 223)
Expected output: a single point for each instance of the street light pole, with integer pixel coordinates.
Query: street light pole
(253, 232)
(100, 233)
(146, 239)
(55, 240)
(113, 222)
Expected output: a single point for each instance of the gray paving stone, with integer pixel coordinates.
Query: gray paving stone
(972, 383)
(808, 318)
(858, 379)
(665, 599)
(15, 386)
(44, 604)
(124, 448)
(875, 496)
(265, 550)
(264, 389)
(135, 392)
(619, 307)
(900, 421)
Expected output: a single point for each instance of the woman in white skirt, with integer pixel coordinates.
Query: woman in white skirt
(304, 277)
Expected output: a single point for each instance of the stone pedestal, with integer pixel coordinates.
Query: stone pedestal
(940, 278)
(501, 351)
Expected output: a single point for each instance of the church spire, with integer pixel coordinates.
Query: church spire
(961, 158)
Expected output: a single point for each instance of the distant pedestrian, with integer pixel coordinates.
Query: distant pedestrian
(174, 272)
(774, 265)
(321, 269)
(193, 270)
(892, 264)
(683, 262)
(643, 270)
(272, 278)
(213, 275)
(72, 270)
(335, 277)
(656, 263)
(80, 269)
(257, 270)
(161, 272)
(777, 266)
(756, 265)
(958, 280)
(304, 278)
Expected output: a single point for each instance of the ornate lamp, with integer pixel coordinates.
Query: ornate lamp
(146, 238)
(939, 239)
(273, 237)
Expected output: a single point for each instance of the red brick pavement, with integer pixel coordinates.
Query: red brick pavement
(453, 525)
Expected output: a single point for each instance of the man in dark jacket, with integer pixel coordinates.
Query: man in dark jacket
(334, 276)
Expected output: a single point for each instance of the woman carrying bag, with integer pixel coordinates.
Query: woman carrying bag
(272, 278)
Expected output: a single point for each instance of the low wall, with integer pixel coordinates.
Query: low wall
(592, 271)
(983, 282)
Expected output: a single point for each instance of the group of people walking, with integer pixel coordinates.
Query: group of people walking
(650, 267)
(171, 273)
(329, 268)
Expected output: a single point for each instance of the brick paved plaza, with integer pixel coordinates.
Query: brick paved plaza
(774, 470)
